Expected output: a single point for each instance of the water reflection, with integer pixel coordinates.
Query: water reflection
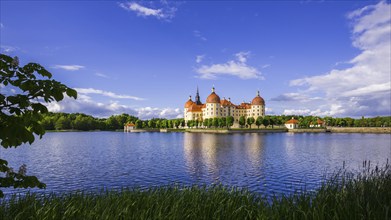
(268, 163)
(200, 155)
(219, 158)
(255, 149)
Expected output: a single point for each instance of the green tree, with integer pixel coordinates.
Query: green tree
(151, 124)
(112, 123)
(242, 121)
(265, 122)
(259, 121)
(210, 122)
(21, 112)
(121, 120)
(139, 124)
(158, 123)
(272, 120)
(62, 123)
(223, 122)
(163, 124)
(250, 121)
(206, 122)
(229, 121)
(215, 122)
(47, 122)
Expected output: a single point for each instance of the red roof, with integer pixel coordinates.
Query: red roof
(188, 103)
(258, 100)
(195, 108)
(320, 122)
(226, 102)
(292, 121)
(244, 105)
(130, 125)
(213, 98)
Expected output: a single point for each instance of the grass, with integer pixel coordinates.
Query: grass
(343, 196)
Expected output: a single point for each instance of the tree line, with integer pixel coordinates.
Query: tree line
(83, 122)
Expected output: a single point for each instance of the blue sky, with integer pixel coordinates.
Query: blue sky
(146, 57)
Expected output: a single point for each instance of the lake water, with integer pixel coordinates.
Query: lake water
(268, 163)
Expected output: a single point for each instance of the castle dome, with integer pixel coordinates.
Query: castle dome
(258, 100)
(189, 103)
(213, 97)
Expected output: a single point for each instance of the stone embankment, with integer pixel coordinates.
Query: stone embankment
(231, 131)
(143, 130)
(379, 130)
(309, 130)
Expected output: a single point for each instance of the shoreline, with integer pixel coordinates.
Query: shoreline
(233, 131)
(362, 130)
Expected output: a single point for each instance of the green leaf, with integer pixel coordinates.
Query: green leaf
(20, 114)
(71, 93)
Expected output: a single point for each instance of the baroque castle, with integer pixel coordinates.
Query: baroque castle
(214, 107)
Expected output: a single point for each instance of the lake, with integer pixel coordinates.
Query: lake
(268, 163)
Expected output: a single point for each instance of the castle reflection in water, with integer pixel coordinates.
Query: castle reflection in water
(213, 156)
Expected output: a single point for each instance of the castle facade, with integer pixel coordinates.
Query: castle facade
(214, 107)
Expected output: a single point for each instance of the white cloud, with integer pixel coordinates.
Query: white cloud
(102, 75)
(8, 49)
(294, 97)
(296, 112)
(198, 35)
(269, 111)
(238, 68)
(98, 109)
(266, 66)
(149, 112)
(199, 58)
(1, 25)
(106, 93)
(165, 12)
(69, 67)
(335, 109)
(364, 87)
(242, 56)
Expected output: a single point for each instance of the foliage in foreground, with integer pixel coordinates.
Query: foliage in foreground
(24, 90)
(366, 196)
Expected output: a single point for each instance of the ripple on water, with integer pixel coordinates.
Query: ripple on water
(267, 163)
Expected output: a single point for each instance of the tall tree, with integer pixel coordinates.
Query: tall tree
(20, 112)
(242, 121)
(229, 121)
(223, 122)
(265, 122)
(259, 121)
(250, 121)
(215, 122)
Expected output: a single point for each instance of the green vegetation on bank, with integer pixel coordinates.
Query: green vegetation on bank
(83, 122)
(344, 196)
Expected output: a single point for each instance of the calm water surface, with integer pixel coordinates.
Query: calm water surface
(267, 163)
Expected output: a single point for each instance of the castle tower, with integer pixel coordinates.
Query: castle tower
(197, 98)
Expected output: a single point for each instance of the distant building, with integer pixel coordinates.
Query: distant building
(129, 127)
(292, 123)
(319, 123)
(214, 107)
